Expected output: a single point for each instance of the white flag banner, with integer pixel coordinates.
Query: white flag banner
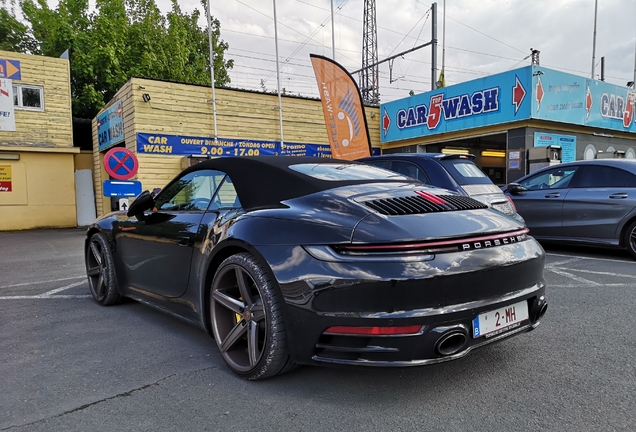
(7, 113)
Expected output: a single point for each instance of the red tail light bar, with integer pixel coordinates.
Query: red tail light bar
(374, 331)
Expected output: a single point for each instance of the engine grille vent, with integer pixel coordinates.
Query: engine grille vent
(423, 204)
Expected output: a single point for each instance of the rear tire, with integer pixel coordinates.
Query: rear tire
(100, 269)
(630, 239)
(247, 319)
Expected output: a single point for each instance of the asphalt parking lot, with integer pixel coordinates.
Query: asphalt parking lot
(68, 364)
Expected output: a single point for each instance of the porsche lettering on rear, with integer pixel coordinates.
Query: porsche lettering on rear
(491, 243)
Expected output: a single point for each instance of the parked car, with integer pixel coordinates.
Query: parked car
(453, 172)
(292, 260)
(586, 202)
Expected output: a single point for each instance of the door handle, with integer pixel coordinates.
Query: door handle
(619, 196)
(553, 195)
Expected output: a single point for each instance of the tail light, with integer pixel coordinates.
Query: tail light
(374, 331)
(512, 203)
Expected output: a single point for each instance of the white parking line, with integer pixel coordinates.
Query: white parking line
(592, 258)
(601, 273)
(41, 282)
(609, 285)
(573, 277)
(560, 263)
(49, 294)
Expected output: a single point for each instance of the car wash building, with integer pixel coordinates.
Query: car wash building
(168, 126)
(515, 121)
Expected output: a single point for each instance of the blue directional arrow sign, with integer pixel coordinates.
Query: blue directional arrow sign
(119, 188)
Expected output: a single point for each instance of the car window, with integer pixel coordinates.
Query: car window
(465, 171)
(378, 163)
(226, 196)
(345, 172)
(468, 169)
(556, 178)
(604, 176)
(193, 191)
(411, 170)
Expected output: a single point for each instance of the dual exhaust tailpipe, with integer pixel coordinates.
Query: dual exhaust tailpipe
(454, 339)
(451, 342)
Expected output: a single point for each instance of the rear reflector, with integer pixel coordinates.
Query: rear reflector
(374, 331)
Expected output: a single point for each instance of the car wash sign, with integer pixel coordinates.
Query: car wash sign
(491, 100)
(110, 126)
(182, 145)
(567, 98)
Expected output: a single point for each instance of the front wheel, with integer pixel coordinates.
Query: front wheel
(100, 269)
(630, 239)
(247, 319)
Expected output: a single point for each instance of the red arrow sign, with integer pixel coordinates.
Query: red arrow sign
(518, 94)
(588, 102)
(540, 93)
(386, 122)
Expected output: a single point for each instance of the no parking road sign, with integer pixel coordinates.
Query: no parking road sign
(121, 163)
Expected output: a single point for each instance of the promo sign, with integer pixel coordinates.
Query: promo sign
(342, 108)
(566, 142)
(7, 115)
(121, 163)
(5, 178)
(110, 126)
(205, 146)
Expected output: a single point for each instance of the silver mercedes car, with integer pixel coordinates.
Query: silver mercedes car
(589, 202)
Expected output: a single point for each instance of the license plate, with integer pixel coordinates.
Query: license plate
(499, 320)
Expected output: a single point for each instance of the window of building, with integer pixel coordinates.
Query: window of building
(28, 97)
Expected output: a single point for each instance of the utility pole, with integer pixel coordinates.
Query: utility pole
(434, 49)
(211, 67)
(594, 38)
(280, 101)
(333, 35)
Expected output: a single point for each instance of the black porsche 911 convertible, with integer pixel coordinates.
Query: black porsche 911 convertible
(293, 260)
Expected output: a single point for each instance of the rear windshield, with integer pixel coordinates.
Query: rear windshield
(465, 172)
(346, 172)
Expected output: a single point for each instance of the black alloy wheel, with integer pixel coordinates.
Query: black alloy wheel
(630, 239)
(247, 319)
(100, 269)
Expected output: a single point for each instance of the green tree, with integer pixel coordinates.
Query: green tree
(14, 36)
(121, 39)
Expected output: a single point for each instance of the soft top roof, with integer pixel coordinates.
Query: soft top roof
(265, 181)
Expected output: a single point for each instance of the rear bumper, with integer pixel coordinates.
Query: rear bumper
(440, 341)
(443, 296)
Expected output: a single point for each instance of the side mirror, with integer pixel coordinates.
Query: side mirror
(143, 202)
(513, 188)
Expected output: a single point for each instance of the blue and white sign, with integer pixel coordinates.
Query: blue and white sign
(486, 101)
(557, 96)
(205, 146)
(566, 142)
(567, 98)
(110, 126)
(532, 92)
(120, 188)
